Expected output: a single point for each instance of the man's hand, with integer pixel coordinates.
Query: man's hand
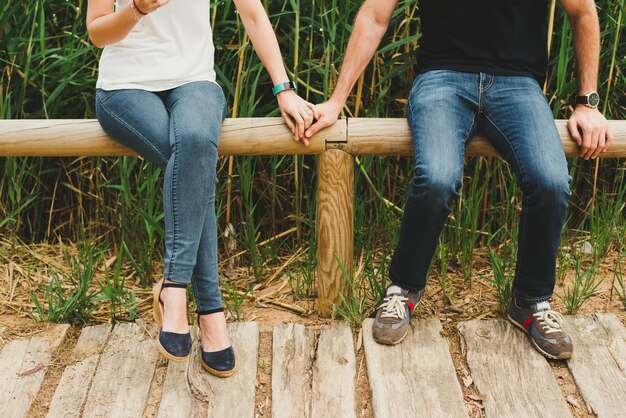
(590, 130)
(326, 114)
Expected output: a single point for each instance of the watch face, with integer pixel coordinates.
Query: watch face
(593, 99)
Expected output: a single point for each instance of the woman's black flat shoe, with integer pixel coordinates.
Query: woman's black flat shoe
(173, 346)
(219, 363)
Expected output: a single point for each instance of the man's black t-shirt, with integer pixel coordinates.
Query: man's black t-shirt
(499, 37)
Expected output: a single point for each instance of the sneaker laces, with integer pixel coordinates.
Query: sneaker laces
(550, 320)
(394, 306)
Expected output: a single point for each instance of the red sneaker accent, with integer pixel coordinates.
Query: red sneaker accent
(527, 323)
(411, 306)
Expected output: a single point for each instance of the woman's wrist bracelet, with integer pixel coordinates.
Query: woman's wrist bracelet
(290, 85)
(135, 8)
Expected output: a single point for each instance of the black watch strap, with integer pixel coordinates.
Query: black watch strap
(591, 99)
(583, 100)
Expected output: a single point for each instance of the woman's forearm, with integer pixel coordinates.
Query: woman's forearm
(263, 38)
(106, 26)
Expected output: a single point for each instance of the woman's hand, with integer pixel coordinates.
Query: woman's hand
(107, 26)
(149, 6)
(297, 113)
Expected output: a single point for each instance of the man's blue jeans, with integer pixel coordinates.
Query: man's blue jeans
(445, 110)
(178, 130)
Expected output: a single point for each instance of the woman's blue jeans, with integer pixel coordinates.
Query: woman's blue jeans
(446, 108)
(178, 130)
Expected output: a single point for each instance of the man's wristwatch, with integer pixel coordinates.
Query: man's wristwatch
(591, 100)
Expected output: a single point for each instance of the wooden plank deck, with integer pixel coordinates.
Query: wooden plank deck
(18, 389)
(233, 396)
(313, 373)
(71, 393)
(414, 378)
(177, 401)
(334, 372)
(599, 362)
(120, 386)
(516, 379)
(293, 351)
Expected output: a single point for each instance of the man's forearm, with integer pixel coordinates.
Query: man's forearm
(365, 38)
(586, 30)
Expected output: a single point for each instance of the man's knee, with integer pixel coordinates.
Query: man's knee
(439, 187)
(548, 186)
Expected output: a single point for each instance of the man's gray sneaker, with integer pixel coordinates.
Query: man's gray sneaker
(394, 314)
(543, 327)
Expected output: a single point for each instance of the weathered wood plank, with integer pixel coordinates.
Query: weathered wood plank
(122, 382)
(414, 378)
(177, 401)
(293, 349)
(598, 362)
(71, 392)
(232, 396)
(18, 392)
(334, 372)
(516, 379)
(334, 227)
(617, 338)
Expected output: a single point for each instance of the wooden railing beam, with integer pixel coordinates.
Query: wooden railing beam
(85, 138)
(252, 136)
(392, 136)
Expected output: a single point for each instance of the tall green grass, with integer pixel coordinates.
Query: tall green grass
(49, 70)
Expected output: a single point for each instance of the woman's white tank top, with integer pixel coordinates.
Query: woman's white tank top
(167, 48)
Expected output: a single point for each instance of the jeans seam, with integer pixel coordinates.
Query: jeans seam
(469, 130)
(489, 84)
(522, 241)
(194, 287)
(130, 128)
(522, 245)
(173, 196)
(521, 168)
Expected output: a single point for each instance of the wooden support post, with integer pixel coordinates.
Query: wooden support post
(334, 226)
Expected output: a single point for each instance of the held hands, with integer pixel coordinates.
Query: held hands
(148, 6)
(297, 113)
(326, 114)
(590, 130)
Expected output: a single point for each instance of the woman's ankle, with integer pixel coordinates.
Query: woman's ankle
(213, 331)
(174, 309)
